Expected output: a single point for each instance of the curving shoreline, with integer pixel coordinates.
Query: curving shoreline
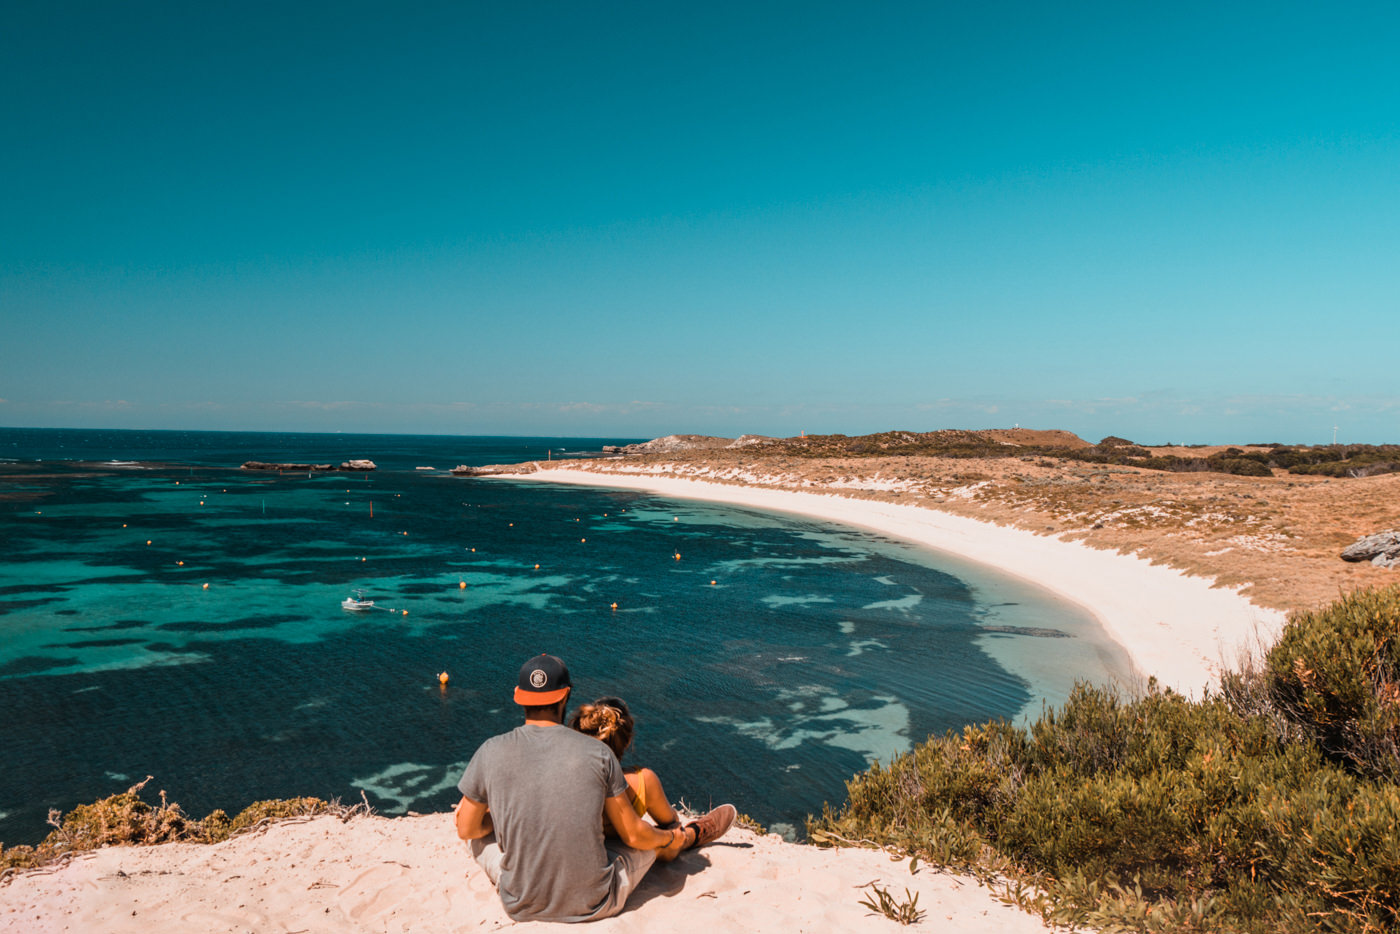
(1182, 629)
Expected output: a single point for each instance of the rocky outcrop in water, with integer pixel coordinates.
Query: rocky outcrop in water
(260, 465)
(493, 470)
(1381, 549)
(348, 465)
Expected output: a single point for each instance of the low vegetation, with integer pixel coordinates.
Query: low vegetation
(1259, 460)
(127, 820)
(1269, 806)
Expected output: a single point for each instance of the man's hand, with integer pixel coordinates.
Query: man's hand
(473, 819)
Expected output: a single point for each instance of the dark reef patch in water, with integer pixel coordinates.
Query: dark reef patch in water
(119, 624)
(94, 644)
(14, 606)
(266, 621)
(35, 664)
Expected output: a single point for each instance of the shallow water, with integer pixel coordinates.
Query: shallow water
(770, 661)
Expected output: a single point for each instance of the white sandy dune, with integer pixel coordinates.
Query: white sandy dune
(1181, 629)
(412, 875)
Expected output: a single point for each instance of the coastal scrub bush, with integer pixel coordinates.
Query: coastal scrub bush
(1267, 807)
(1335, 674)
(127, 820)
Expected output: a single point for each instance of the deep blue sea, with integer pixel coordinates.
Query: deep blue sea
(766, 658)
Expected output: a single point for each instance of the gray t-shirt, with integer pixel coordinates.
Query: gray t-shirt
(545, 786)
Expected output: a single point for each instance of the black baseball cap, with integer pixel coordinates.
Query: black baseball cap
(543, 680)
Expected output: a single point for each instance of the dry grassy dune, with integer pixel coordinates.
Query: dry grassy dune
(1276, 537)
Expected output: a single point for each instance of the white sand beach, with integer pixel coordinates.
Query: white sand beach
(1178, 628)
(411, 874)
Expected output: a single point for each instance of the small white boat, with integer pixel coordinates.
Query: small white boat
(357, 602)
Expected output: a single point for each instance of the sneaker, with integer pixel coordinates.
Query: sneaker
(713, 825)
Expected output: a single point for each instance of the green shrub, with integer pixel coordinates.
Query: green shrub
(1260, 809)
(1335, 673)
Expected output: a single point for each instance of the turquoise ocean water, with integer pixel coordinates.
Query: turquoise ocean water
(816, 648)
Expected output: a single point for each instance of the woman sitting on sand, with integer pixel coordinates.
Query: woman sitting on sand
(609, 720)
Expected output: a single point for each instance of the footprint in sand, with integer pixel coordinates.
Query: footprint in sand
(377, 891)
(228, 920)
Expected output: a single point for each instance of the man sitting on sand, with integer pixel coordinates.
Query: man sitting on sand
(532, 811)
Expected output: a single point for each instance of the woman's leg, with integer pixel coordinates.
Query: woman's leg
(658, 805)
(646, 786)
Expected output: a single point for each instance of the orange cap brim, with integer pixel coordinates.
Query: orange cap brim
(540, 698)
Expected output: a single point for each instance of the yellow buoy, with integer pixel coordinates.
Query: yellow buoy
(461, 585)
(405, 612)
(473, 550)
(206, 586)
(123, 525)
(180, 563)
(442, 678)
(712, 583)
(678, 556)
(581, 540)
(614, 606)
(537, 567)
(201, 502)
(148, 541)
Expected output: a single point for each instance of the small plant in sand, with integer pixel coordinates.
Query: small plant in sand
(881, 901)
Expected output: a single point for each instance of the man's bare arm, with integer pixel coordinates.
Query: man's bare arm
(473, 819)
(636, 832)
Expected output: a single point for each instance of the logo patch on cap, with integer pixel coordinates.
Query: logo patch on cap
(538, 678)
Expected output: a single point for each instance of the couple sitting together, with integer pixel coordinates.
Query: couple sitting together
(552, 817)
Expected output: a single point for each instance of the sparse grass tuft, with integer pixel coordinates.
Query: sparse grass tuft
(882, 902)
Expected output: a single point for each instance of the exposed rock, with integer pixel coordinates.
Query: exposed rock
(673, 443)
(348, 465)
(1381, 549)
(1037, 631)
(493, 470)
(744, 441)
(260, 465)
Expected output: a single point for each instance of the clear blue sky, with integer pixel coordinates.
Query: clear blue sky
(1170, 222)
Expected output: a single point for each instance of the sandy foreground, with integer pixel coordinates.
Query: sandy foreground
(411, 874)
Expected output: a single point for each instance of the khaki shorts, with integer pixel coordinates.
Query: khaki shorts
(631, 865)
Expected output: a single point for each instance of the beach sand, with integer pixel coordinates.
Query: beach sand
(412, 874)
